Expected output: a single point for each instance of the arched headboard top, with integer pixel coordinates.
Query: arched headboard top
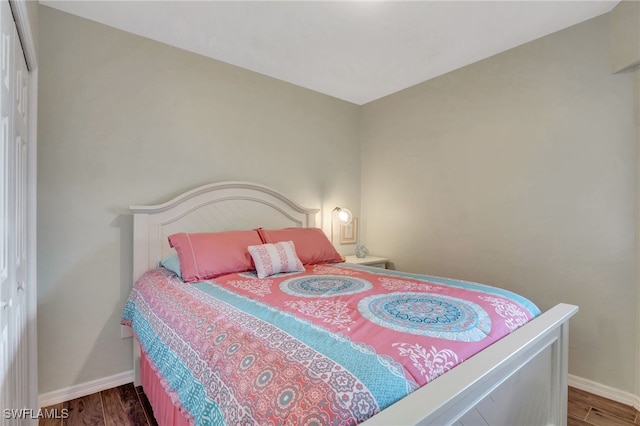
(220, 190)
(215, 207)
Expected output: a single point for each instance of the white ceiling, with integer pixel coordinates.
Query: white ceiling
(358, 51)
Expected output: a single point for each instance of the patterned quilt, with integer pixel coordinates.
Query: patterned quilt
(332, 345)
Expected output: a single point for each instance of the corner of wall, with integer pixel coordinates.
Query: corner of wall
(624, 30)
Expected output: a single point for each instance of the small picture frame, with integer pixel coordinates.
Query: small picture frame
(349, 233)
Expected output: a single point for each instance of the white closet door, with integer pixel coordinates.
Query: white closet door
(7, 185)
(14, 355)
(19, 158)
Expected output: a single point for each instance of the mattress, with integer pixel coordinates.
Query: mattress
(334, 344)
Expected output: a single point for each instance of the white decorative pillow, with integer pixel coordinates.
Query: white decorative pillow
(271, 259)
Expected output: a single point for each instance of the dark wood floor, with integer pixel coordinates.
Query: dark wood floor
(127, 405)
(120, 406)
(588, 409)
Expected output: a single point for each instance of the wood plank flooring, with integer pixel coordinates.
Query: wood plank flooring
(127, 405)
(120, 406)
(588, 409)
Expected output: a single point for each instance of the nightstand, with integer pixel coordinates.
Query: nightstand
(378, 262)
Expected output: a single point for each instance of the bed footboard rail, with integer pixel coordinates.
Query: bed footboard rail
(521, 379)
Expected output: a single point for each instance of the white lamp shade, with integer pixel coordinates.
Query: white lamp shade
(344, 216)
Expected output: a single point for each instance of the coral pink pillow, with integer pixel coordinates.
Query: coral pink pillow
(271, 259)
(312, 245)
(208, 255)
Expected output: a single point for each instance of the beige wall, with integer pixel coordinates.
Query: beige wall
(124, 120)
(519, 171)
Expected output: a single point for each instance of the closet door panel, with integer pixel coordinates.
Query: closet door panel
(7, 187)
(14, 214)
(19, 316)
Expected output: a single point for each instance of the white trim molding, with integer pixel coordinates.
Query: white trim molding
(84, 389)
(605, 391)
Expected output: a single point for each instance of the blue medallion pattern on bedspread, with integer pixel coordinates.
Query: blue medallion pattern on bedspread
(428, 315)
(324, 286)
(333, 345)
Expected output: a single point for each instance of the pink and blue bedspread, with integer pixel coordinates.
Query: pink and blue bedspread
(332, 345)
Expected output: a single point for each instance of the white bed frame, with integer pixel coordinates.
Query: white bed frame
(519, 380)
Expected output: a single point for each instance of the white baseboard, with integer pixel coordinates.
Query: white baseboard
(84, 389)
(604, 391)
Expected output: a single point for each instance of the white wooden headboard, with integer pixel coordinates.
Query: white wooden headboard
(215, 207)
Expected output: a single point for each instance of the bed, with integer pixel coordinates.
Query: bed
(316, 341)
